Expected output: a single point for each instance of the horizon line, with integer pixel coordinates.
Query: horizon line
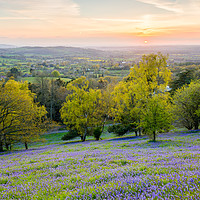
(96, 46)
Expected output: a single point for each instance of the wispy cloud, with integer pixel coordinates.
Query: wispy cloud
(37, 9)
(164, 4)
(67, 19)
(117, 20)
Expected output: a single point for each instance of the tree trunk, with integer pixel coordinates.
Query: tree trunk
(154, 136)
(84, 135)
(196, 125)
(103, 126)
(7, 146)
(83, 138)
(136, 133)
(26, 145)
(1, 146)
(140, 131)
(52, 102)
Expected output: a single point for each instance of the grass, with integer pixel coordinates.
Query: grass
(109, 169)
(53, 138)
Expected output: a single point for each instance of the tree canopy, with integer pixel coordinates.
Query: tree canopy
(20, 117)
(81, 111)
(135, 94)
(186, 105)
(55, 73)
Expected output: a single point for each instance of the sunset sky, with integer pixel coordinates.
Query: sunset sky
(99, 22)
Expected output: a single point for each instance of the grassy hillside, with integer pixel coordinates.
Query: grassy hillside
(109, 169)
(52, 51)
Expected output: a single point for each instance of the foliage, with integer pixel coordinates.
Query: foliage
(51, 94)
(146, 81)
(97, 132)
(20, 118)
(71, 134)
(125, 109)
(14, 72)
(82, 107)
(55, 73)
(182, 78)
(150, 77)
(156, 116)
(119, 129)
(186, 105)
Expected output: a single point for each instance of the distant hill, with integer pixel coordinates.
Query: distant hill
(177, 54)
(146, 49)
(53, 51)
(5, 46)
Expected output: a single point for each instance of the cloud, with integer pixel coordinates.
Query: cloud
(62, 18)
(116, 20)
(37, 9)
(164, 4)
(181, 7)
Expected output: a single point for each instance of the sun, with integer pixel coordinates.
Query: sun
(146, 42)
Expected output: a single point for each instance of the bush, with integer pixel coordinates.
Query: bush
(97, 132)
(119, 129)
(70, 135)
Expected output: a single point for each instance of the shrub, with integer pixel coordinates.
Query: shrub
(119, 129)
(97, 132)
(70, 135)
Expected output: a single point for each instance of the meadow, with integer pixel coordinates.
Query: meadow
(128, 168)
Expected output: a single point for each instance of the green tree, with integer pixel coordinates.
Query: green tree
(55, 73)
(186, 105)
(33, 126)
(135, 94)
(80, 111)
(51, 94)
(151, 76)
(182, 78)
(156, 116)
(14, 72)
(125, 109)
(20, 117)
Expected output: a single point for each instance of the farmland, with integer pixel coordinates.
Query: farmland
(93, 63)
(133, 168)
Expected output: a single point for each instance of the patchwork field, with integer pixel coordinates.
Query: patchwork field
(131, 168)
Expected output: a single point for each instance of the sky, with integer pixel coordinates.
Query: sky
(99, 22)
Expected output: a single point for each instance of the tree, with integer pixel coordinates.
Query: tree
(14, 72)
(182, 78)
(55, 73)
(135, 94)
(33, 126)
(156, 116)
(80, 111)
(51, 94)
(151, 76)
(186, 105)
(125, 109)
(20, 117)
